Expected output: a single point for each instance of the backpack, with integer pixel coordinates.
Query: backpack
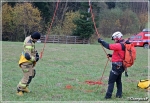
(130, 54)
(144, 84)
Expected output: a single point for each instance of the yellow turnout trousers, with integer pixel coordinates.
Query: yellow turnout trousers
(28, 74)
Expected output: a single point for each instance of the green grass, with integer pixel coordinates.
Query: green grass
(64, 64)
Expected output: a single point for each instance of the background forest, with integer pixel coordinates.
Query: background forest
(20, 19)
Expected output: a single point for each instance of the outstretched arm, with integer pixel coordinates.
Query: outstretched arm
(106, 45)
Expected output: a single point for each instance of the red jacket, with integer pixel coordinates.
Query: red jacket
(118, 53)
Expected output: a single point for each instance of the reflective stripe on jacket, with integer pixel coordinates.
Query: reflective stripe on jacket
(29, 47)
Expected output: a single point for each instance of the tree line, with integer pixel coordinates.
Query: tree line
(20, 19)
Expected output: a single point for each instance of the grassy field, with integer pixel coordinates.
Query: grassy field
(64, 64)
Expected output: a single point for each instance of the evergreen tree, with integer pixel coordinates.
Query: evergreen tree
(12, 4)
(84, 23)
(111, 5)
(46, 9)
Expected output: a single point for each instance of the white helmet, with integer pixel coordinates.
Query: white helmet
(117, 35)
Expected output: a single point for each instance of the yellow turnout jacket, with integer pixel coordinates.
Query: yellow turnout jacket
(29, 47)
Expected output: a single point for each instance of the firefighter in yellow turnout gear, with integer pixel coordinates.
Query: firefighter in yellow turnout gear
(27, 61)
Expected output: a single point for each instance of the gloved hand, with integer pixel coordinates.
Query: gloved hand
(37, 56)
(109, 55)
(100, 40)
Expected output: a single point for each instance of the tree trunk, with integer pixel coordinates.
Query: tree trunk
(64, 11)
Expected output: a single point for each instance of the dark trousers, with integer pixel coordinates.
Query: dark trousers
(115, 76)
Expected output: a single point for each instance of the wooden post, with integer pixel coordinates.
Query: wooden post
(66, 39)
(75, 39)
(58, 38)
(53, 38)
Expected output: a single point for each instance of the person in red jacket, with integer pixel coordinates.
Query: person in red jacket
(117, 63)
